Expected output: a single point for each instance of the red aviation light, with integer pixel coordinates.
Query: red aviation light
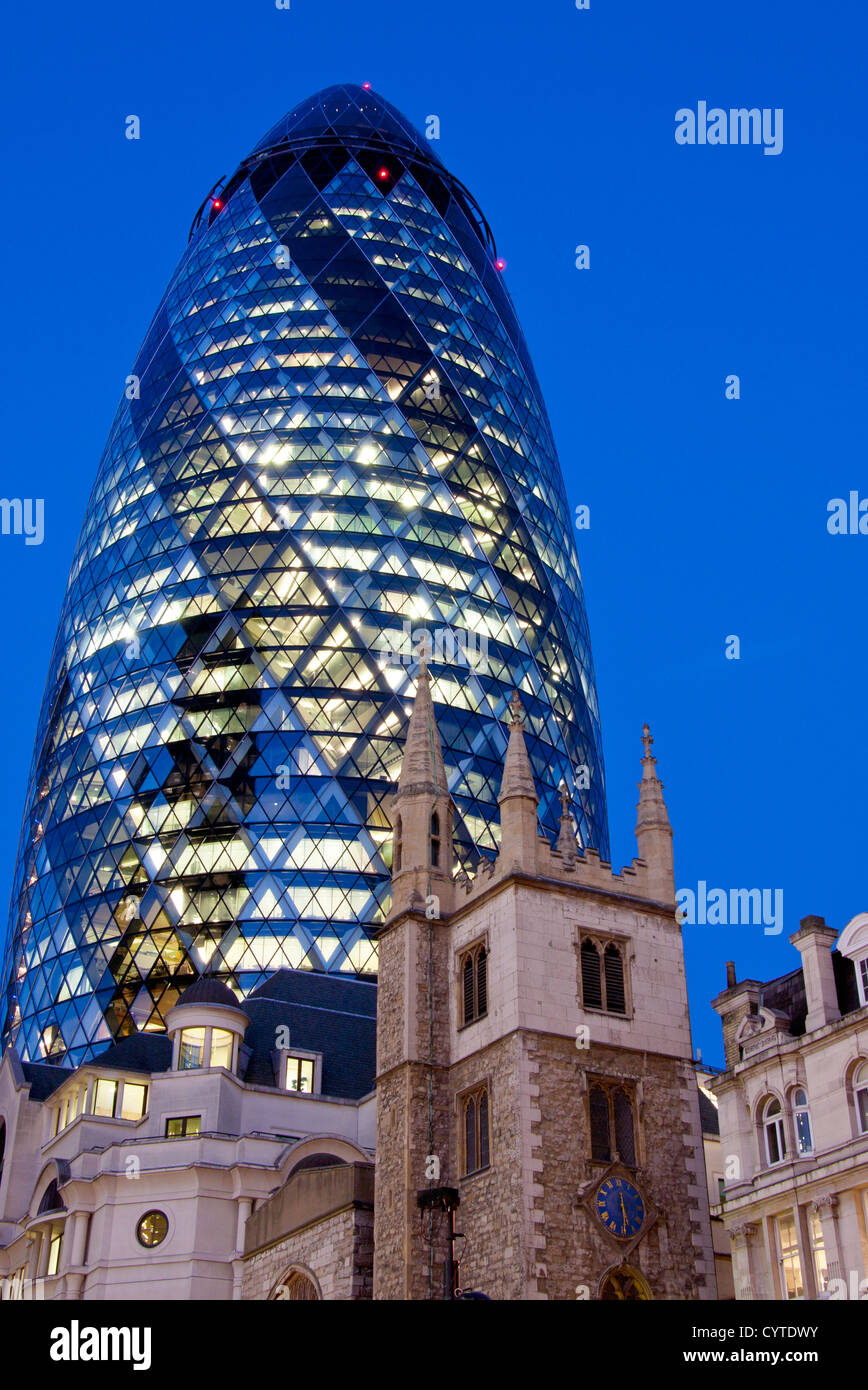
(500, 264)
(366, 86)
(383, 173)
(216, 204)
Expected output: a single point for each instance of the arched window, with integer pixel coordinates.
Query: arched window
(625, 1143)
(396, 865)
(51, 1199)
(2, 1146)
(601, 1148)
(616, 1001)
(802, 1122)
(435, 839)
(612, 1124)
(297, 1288)
(592, 988)
(474, 985)
(773, 1128)
(476, 1131)
(603, 976)
(860, 1096)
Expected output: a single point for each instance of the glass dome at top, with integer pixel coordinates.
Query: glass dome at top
(333, 441)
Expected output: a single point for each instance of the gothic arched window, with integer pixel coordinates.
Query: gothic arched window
(603, 976)
(396, 857)
(473, 967)
(476, 1139)
(612, 1123)
(435, 839)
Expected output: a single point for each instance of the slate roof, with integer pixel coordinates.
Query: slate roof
(208, 990)
(323, 1014)
(145, 1052)
(708, 1115)
(44, 1079)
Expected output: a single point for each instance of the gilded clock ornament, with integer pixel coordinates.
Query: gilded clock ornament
(620, 1207)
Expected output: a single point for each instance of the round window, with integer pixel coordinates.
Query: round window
(152, 1229)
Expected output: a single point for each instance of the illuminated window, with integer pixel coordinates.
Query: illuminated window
(221, 1048)
(183, 1126)
(152, 1228)
(788, 1256)
(299, 1073)
(105, 1094)
(134, 1101)
(818, 1251)
(192, 1050)
(55, 1243)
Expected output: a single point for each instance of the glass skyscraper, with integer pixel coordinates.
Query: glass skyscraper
(332, 440)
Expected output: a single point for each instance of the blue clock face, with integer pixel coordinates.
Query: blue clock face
(620, 1207)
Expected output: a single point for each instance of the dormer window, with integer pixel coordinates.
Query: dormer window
(435, 839)
(303, 1072)
(862, 979)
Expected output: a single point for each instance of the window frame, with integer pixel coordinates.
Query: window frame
(601, 944)
(171, 1119)
(610, 1086)
(775, 1122)
(474, 1096)
(860, 964)
(475, 952)
(797, 1110)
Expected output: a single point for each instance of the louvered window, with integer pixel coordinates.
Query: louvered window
(616, 1001)
(474, 985)
(397, 856)
(467, 982)
(604, 982)
(435, 840)
(592, 990)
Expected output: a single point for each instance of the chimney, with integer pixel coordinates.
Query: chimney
(814, 942)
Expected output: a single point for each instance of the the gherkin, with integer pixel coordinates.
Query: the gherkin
(332, 435)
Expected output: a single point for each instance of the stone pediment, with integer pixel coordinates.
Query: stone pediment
(764, 1029)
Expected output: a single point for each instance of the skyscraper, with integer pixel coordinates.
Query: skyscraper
(332, 439)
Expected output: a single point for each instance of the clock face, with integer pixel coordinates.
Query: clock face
(620, 1207)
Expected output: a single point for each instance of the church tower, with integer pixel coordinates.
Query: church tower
(535, 1089)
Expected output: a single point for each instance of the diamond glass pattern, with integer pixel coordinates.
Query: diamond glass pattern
(333, 430)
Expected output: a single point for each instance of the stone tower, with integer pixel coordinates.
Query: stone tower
(534, 1079)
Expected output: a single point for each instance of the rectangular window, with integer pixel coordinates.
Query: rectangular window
(183, 1126)
(55, 1240)
(818, 1251)
(105, 1094)
(134, 1102)
(788, 1255)
(221, 1048)
(299, 1074)
(863, 980)
(192, 1052)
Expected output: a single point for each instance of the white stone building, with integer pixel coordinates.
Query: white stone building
(133, 1177)
(793, 1106)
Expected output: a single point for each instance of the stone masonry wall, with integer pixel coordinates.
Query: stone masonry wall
(337, 1252)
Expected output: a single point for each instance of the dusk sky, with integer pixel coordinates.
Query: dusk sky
(708, 515)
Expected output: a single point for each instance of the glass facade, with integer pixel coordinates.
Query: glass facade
(332, 441)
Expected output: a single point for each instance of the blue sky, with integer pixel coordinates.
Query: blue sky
(708, 516)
